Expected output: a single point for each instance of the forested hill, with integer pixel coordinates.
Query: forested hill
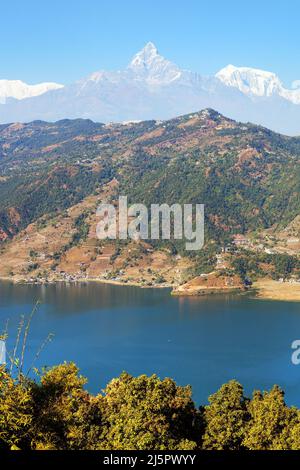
(247, 176)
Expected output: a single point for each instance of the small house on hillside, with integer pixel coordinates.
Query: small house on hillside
(240, 240)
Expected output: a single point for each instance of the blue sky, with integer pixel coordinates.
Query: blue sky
(65, 40)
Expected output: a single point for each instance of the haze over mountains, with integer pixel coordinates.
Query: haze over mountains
(152, 87)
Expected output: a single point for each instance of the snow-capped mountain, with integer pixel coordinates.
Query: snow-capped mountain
(152, 87)
(256, 82)
(20, 90)
(148, 65)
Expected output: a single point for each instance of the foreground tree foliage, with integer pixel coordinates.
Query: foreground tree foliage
(56, 412)
(225, 418)
(273, 426)
(149, 413)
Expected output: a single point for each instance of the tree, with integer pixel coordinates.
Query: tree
(66, 416)
(16, 412)
(284, 265)
(53, 414)
(241, 267)
(270, 421)
(146, 413)
(225, 418)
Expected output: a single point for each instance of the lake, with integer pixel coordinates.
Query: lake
(204, 342)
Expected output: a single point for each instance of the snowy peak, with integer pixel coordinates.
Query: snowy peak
(250, 81)
(152, 87)
(149, 65)
(256, 82)
(19, 90)
(145, 58)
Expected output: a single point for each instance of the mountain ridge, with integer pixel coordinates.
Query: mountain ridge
(256, 82)
(20, 90)
(152, 87)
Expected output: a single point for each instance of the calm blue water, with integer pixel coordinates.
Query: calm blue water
(199, 341)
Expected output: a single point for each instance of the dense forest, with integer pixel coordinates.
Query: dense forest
(143, 413)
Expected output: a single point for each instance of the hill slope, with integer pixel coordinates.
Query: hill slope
(55, 174)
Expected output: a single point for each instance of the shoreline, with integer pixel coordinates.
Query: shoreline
(86, 280)
(129, 283)
(263, 289)
(206, 291)
(268, 289)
